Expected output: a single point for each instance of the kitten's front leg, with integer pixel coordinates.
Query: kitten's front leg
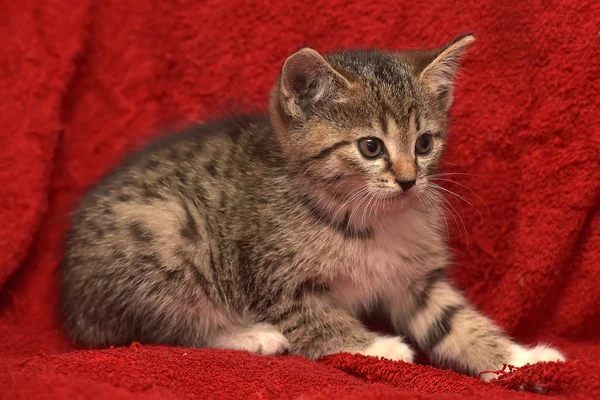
(454, 334)
(316, 328)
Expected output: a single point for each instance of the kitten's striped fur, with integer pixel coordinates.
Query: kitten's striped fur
(273, 233)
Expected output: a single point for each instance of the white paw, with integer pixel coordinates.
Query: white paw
(392, 348)
(260, 338)
(522, 355)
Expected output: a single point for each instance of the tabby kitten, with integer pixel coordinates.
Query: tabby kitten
(272, 234)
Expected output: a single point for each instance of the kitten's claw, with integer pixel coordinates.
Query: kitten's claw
(392, 348)
(261, 339)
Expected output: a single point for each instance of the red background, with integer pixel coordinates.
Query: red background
(82, 83)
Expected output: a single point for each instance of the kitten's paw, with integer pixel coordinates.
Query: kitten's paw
(262, 339)
(392, 348)
(522, 355)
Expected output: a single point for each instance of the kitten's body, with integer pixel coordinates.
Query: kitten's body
(234, 235)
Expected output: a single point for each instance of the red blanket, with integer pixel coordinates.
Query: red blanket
(83, 83)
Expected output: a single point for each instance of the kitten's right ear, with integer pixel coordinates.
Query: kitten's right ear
(436, 69)
(308, 81)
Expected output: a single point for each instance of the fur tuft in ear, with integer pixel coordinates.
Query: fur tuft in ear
(439, 73)
(308, 81)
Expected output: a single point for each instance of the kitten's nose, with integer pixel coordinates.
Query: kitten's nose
(405, 185)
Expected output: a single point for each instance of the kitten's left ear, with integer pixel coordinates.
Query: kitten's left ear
(439, 72)
(307, 81)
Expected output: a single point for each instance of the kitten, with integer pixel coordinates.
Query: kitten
(272, 234)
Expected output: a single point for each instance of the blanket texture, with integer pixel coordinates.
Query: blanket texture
(84, 82)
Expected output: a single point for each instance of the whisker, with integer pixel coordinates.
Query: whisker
(450, 173)
(371, 198)
(371, 208)
(358, 205)
(445, 203)
(350, 197)
(433, 206)
(458, 196)
(436, 207)
(460, 232)
(465, 186)
(376, 205)
(462, 221)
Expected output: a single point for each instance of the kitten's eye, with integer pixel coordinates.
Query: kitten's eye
(370, 147)
(424, 144)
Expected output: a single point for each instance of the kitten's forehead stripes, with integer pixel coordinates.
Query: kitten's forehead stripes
(392, 120)
(413, 115)
(386, 113)
(329, 150)
(383, 123)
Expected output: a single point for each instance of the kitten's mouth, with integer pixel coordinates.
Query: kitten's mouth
(395, 200)
(395, 196)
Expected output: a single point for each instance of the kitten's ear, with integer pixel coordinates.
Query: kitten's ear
(308, 81)
(437, 68)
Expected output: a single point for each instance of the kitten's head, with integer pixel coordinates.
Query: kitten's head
(366, 120)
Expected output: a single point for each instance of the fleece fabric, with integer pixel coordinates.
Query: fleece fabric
(82, 83)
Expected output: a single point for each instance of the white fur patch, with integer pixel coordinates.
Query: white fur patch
(392, 348)
(522, 355)
(260, 338)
